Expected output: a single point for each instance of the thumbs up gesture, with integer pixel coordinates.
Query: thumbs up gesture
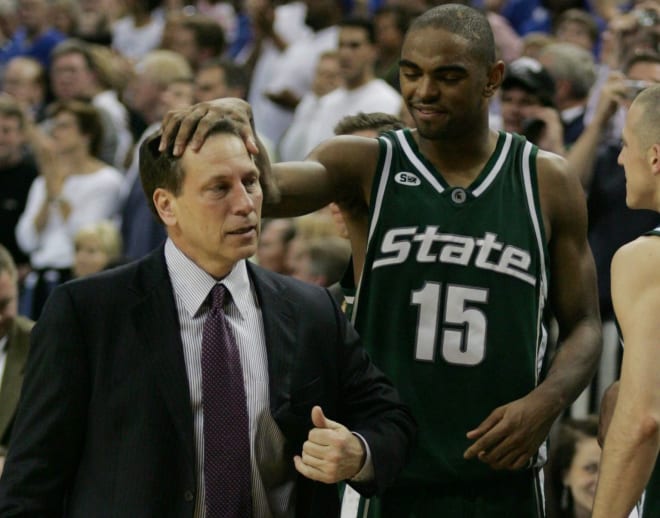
(331, 452)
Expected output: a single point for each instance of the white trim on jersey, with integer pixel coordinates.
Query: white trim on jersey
(410, 155)
(377, 204)
(542, 337)
(496, 168)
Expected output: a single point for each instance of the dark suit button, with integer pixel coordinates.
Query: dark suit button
(188, 496)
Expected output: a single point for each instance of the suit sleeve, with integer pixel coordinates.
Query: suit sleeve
(371, 406)
(49, 431)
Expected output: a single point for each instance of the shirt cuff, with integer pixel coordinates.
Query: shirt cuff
(366, 474)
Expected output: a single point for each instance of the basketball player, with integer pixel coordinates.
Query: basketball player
(633, 439)
(463, 240)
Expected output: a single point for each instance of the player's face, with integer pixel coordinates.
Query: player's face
(582, 474)
(442, 83)
(639, 178)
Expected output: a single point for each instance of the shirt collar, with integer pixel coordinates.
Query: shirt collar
(570, 114)
(193, 284)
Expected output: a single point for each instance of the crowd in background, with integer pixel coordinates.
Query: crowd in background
(85, 81)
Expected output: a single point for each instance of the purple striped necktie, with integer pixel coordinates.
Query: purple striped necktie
(226, 430)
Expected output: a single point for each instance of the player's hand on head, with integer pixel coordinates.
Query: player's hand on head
(331, 452)
(190, 126)
(511, 435)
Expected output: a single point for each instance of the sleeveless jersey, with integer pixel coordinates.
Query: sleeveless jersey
(451, 300)
(651, 499)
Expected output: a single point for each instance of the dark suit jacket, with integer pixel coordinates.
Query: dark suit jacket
(105, 425)
(18, 345)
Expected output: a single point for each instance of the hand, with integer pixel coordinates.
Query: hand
(190, 126)
(511, 434)
(551, 138)
(331, 452)
(285, 99)
(607, 405)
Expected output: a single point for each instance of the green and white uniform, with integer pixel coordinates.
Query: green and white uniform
(450, 306)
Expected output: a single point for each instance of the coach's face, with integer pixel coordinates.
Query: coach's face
(215, 218)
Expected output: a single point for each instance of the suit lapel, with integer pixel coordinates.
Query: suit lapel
(279, 327)
(156, 320)
(17, 351)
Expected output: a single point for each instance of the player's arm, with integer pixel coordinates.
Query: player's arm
(633, 439)
(340, 169)
(512, 433)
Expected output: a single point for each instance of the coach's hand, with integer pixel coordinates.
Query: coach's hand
(331, 452)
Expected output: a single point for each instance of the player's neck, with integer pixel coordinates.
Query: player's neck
(459, 160)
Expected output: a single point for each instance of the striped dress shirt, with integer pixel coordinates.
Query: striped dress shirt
(273, 475)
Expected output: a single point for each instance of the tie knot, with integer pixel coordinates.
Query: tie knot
(218, 296)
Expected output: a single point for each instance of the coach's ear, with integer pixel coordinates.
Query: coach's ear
(166, 206)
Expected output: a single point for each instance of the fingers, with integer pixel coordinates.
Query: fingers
(191, 126)
(321, 421)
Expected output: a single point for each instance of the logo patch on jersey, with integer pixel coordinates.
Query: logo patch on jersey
(427, 245)
(405, 178)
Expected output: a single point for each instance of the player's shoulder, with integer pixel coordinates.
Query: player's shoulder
(553, 169)
(639, 258)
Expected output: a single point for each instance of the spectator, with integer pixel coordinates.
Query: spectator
(276, 236)
(360, 92)
(35, 37)
(163, 82)
(326, 79)
(293, 72)
(218, 78)
(14, 347)
(74, 189)
(527, 104)
(140, 31)
(198, 39)
(17, 172)
(153, 73)
(573, 71)
(65, 15)
(25, 80)
(578, 27)
(320, 261)
(572, 469)
(84, 71)
(97, 246)
(390, 25)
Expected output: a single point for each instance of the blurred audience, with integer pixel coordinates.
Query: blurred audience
(572, 468)
(97, 247)
(35, 36)
(220, 77)
(140, 31)
(276, 236)
(573, 70)
(198, 39)
(17, 172)
(25, 80)
(84, 71)
(75, 188)
(14, 347)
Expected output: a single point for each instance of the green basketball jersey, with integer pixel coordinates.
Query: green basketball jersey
(451, 299)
